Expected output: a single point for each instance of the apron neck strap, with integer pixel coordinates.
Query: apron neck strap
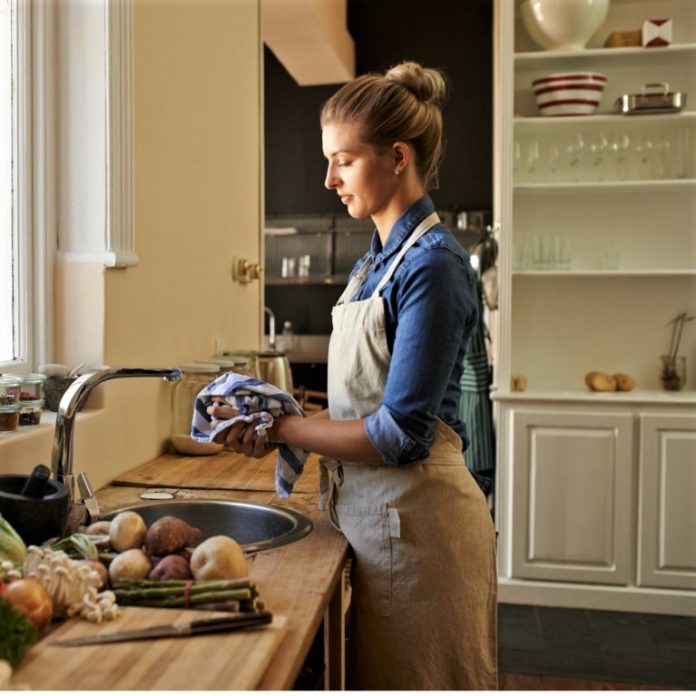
(420, 230)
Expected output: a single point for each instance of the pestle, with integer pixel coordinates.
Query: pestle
(35, 486)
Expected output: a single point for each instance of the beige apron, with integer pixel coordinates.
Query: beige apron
(424, 570)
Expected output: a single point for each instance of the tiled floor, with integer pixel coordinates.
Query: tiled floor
(649, 649)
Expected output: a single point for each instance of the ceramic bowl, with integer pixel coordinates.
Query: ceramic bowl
(569, 94)
(35, 519)
(563, 25)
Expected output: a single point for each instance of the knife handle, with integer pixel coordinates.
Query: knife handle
(228, 623)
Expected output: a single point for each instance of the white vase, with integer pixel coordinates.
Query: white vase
(565, 25)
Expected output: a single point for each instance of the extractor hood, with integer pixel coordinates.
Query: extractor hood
(310, 39)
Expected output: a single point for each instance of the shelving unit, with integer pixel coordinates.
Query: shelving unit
(597, 254)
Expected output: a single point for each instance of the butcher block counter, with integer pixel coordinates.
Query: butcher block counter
(301, 584)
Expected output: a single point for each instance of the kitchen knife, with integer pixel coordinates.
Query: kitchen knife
(181, 630)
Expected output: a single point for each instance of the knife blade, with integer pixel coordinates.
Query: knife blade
(181, 630)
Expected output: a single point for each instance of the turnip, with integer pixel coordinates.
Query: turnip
(219, 558)
(132, 563)
(169, 534)
(127, 531)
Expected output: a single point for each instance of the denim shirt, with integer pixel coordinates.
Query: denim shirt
(430, 312)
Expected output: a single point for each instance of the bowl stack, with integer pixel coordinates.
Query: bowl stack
(569, 94)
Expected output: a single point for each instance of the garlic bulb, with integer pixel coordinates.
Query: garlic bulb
(71, 584)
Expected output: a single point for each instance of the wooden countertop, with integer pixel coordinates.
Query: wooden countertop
(296, 581)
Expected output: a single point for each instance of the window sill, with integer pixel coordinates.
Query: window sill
(29, 445)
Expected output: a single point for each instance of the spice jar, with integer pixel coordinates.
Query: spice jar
(9, 418)
(9, 390)
(196, 376)
(31, 399)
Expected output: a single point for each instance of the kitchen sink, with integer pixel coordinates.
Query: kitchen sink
(254, 526)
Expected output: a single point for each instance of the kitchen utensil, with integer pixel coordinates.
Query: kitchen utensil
(659, 100)
(569, 94)
(182, 630)
(34, 519)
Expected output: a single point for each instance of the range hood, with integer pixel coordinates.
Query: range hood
(310, 39)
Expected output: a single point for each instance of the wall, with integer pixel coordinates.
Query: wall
(454, 36)
(197, 141)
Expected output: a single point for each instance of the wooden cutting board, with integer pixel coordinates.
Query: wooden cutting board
(229, 661)
(223, 471)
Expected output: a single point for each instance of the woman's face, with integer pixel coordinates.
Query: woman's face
(364, 178)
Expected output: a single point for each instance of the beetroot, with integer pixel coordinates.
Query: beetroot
(172, 567)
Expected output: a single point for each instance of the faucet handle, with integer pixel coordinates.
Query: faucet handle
(87, 496)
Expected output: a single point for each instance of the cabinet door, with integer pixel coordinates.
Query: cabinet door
(572, 493)
(667, 511)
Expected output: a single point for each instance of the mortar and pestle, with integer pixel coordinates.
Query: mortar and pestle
(36, 506)
(58, 379)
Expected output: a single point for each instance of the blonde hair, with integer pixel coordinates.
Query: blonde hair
(403, 104)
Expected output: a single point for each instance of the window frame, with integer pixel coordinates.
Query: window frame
(32, 193)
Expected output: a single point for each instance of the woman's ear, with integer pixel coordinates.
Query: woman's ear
(402, 156)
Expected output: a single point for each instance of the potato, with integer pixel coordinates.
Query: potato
(219, 558)
(127, 531)
(172, 567)
(169, 534)
(600, 382)
(100, 570)
(100, 527)
(132, 563)
(624, 382)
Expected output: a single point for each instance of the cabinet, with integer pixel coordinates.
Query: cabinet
(597, 220)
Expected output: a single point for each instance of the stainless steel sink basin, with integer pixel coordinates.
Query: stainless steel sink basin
(256, 527)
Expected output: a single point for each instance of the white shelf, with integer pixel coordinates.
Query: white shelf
(605, 273)
(531, 123)
(638, 396)
(605, 187)
(592, 57)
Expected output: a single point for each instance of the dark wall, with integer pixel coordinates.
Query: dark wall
(454, 36)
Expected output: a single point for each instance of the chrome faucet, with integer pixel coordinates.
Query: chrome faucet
(74, 397)
(271, 328)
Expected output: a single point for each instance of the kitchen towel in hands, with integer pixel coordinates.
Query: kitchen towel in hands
(259, 403)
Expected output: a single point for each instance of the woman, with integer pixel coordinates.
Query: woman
(424, 577)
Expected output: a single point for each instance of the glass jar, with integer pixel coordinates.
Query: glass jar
(31, 399)
(9, 390)
(196, 376)
(9, 418)
(236, 363)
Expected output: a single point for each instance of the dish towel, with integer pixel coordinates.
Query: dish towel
(259, 403)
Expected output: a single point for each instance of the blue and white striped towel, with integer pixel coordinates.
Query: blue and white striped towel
(257, 402)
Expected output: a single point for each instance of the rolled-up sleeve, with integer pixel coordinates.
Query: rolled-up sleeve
(391, 440)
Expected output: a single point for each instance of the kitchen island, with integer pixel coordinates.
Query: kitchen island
(302, 584)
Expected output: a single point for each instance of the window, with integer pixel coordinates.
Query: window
(16, 348)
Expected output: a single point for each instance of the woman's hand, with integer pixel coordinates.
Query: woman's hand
(243, 438)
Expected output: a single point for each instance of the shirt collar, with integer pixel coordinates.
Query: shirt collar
(402, 228)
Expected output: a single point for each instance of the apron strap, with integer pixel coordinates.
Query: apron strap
(422, 228)
(327, 486)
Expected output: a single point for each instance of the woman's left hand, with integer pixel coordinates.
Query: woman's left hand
(243, 438)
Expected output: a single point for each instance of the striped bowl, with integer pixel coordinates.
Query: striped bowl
(569, 94)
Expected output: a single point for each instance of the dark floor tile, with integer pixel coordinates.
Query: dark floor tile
(649, 669)
(551, 663)
(621, 631)
(518, 628)
(567, 630)
(668, 631)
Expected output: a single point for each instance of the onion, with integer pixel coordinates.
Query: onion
(30, 597)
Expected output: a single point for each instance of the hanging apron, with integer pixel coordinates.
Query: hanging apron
(424, 570)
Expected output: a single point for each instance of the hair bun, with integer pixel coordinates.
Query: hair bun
(427, 84)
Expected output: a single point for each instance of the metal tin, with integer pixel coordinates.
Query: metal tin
(647, 102)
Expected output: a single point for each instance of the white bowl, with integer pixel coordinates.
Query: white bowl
(569, 94)
(563, 25)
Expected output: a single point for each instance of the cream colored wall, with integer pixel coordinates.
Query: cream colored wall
(197, 121)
